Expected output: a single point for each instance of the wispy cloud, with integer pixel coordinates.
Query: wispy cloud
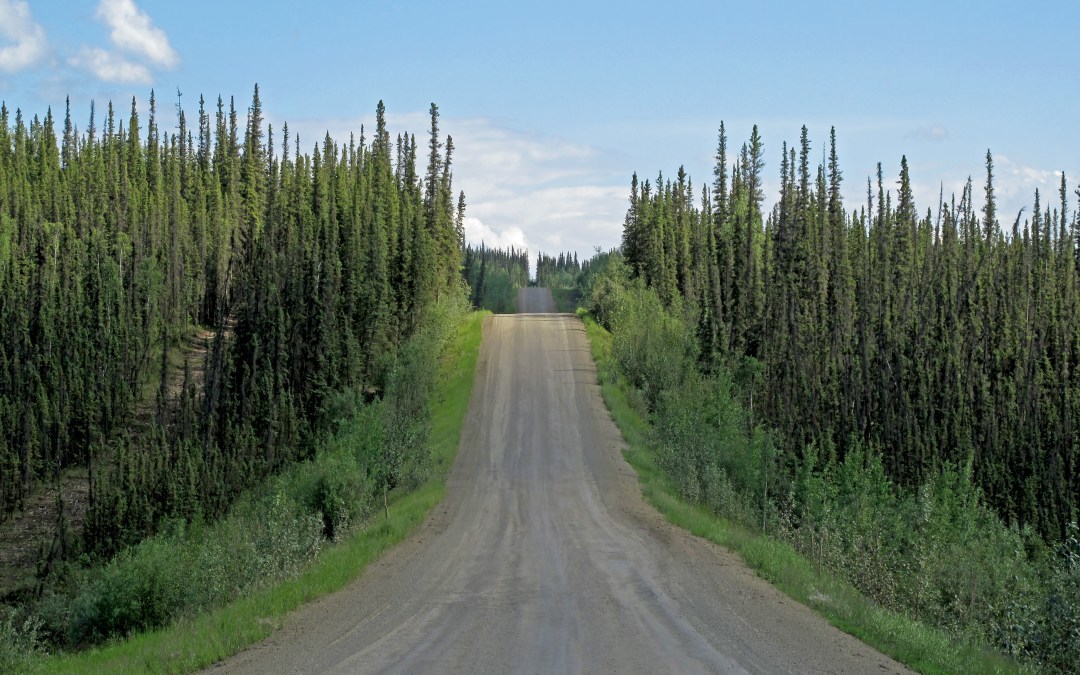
(19, 27)
(526, 189)
(559, 194)
(1015, 184)
(139, 44)
(931, 134)
(111, 66)
(132, 30)
(1013, 180)
(513, 157)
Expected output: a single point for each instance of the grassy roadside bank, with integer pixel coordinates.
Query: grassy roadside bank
(197, 641)
(920, 647)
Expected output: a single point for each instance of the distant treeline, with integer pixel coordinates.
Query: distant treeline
(494, 275)
(936, 339)
(560, 271)
(307, 270)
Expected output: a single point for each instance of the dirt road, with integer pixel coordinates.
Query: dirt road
(544, 558)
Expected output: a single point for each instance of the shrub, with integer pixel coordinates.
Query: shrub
(602, 283)
(937, 553)
(171, 573)
(20, 643)
(1057, 640)
(338, 491)
(655, 349)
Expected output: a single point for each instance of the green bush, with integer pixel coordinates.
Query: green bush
(271, 533)
(937, 554)
(1052, 636)
(338, 491)
(184, 570)
(703, 439)
(602, 285)
(20, 643)
(499, 292)
(655, 349)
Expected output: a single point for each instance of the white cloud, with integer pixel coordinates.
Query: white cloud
(18, 26)
(1014, 188)
(477, 232)
(535, 191)
(132, 30)
(931, 134)
(1012, 180)
(559, 218)
(559, 194)
(513, 157)
(1015, 185)
(110, 66)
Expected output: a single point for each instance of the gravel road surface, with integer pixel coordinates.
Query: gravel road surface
(545, 558)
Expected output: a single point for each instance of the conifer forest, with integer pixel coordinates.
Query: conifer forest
(200, 319)
(938, 337)
(181, 305)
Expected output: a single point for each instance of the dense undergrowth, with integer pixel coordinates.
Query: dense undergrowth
(271, 534)
(936, 554)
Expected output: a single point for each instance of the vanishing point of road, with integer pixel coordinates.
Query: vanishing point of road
(545, 558)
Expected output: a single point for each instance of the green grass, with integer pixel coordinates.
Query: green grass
(914, 644)
(196, 642)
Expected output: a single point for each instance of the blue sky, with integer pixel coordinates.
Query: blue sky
(553, 105)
